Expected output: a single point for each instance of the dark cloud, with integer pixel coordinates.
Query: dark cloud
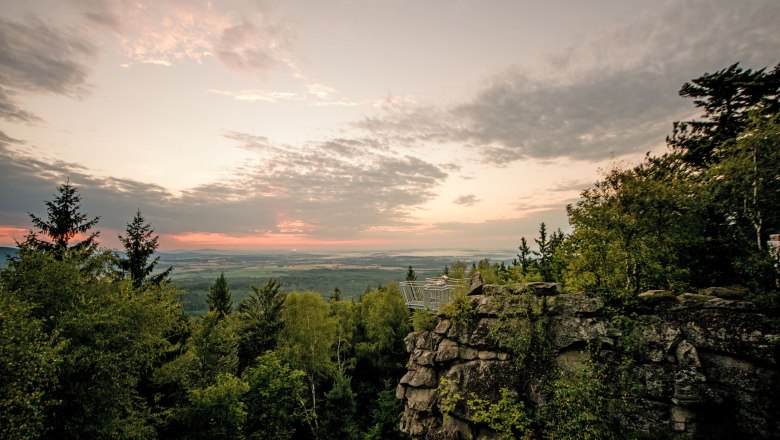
(11, 111)
(612, 95)
(466, 200)
(331, 193)
(40, 58)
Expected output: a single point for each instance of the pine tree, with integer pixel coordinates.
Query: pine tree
(261, 321)
(524, 255)
(139, 246)
(410, 275)
(64, 222)
(335, 296)
(219, 299)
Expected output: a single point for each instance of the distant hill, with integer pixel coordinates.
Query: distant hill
(6, 252)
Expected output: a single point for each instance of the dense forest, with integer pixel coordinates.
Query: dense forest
(95, 343)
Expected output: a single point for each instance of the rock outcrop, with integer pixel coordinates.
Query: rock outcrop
(702, 365)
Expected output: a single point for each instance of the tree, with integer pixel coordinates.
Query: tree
(733, 153)
(260, 316)
(385, 413)
(382, 324)
(335, 296)
(139, 247)
(410, 275)
(636, 229)
(727, 96)
(219, 297)
(744, 187)
(110, 337)
(547, 260)
(217, 411)
(275, 400)
(525, 252)
(306, 340)
(338, 415)
(64, 222)
(213, 350)
(29, 359)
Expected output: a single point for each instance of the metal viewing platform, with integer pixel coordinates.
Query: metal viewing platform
(429, 294)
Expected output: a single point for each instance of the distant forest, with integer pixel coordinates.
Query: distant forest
(96, 344)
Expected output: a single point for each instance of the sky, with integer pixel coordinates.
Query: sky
(288, 125)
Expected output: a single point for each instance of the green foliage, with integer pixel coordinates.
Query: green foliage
(64, 221)
(345, 317)
(507, 417)
(217, 411)
(632, 340)
(307, 335)
(727, 96)
(213, 350)
(550, 267)
(459, 309)
(29, 359)
(385, 414)
(524, 257)
(139, 247)
(744, 184)
(457, 270)
(423, 320)
(112, 336)
(577, 406)
(260, 317)
(338, 419)
(219, 300)
(636, 229)
(449, 397)
(410, 275)
(384, 322)
(274, 401)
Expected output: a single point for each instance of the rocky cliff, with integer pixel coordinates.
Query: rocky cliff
(677, 366)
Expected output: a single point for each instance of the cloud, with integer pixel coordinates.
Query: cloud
(319, 192)
(314, 95)
(244, 35)
(247, 46)
(466, 200)
(611, 95)
(11, 111)
(40, 58)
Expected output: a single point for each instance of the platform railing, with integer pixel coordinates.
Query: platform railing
(430, 293)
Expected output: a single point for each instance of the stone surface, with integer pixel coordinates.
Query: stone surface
(474, 284)
(706, 364)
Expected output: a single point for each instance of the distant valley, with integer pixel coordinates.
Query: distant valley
(351, 272)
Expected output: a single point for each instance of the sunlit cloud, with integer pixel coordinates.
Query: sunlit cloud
(244, 36)
(314, 95)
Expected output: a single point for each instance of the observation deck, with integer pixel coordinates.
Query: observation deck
(429, 294)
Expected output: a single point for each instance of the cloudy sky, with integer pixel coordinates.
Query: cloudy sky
(346, 124)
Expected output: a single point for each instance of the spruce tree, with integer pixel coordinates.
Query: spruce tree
(261, 320)
(524, 255)
(64, 221)
(139, 247)
(410, 275)
(219, 297)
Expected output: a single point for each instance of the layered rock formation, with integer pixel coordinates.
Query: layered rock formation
(688, 366)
